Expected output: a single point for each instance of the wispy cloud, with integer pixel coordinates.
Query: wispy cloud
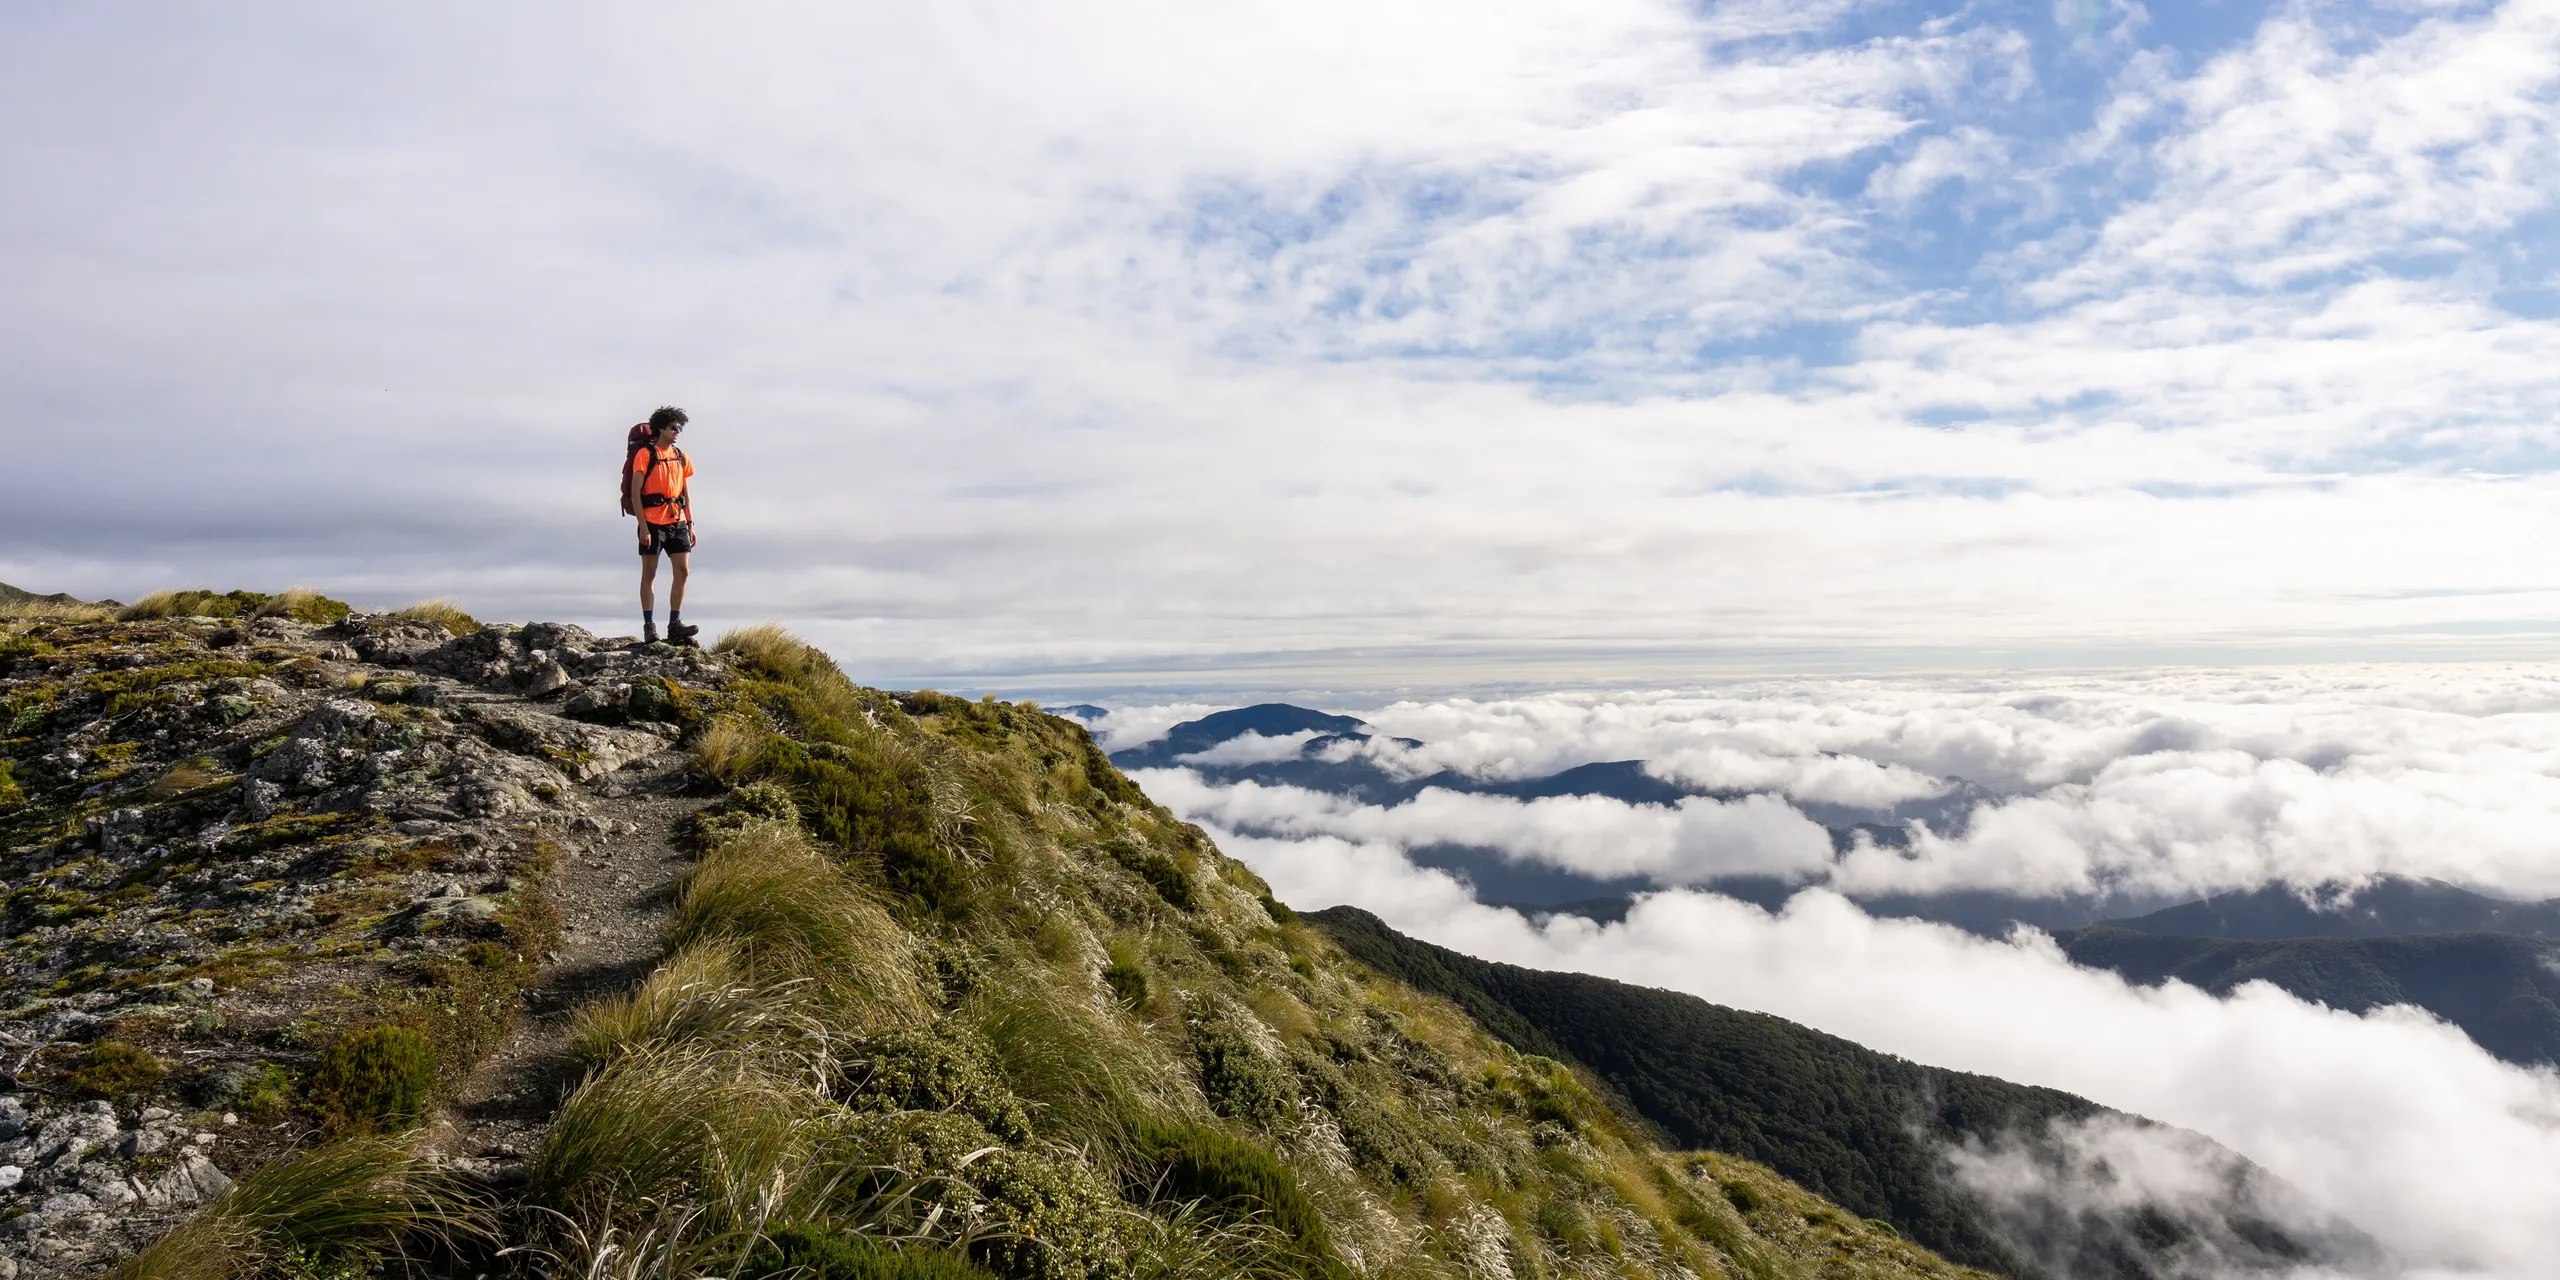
(1121, 339)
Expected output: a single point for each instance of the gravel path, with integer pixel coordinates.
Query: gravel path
(615, 890)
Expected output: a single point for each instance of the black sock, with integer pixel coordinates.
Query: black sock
(675, 617)
(649, 616)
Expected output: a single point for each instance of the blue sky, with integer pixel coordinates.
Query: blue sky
(1070, 345)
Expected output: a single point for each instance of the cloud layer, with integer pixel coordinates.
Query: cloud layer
(1137, 346)
(2393, 1121)
(2147, 784)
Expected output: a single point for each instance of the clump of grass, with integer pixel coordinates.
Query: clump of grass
(725, 748)
(700, 996)
(374, 1078)
(818, 1254)
(769, 651)
(40, 609)
(1083, 1082)
(790, 912)
(1126, 974)
(1235, 1180)
(302, 604)
(183, 778)
(716, 1129)
(331, 1205)
(443, 613)
(114, 1069)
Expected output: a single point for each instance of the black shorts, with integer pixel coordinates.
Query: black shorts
(675, 539)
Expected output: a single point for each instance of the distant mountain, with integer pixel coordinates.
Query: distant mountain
(1081, 712)
(2393, 905)
(16, 595)
(1865, 1129)
(2502, 990)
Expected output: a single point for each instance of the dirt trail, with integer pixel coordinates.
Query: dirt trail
(614, 888)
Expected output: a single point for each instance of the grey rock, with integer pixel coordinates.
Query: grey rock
(544, 678)
(62, 1202)
(462, 910)
(230, 708)
(10, 1176)
(337, 718)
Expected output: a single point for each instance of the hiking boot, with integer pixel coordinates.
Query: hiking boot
(648, 633)
(682, 633)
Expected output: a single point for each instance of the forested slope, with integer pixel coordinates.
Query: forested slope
(1864, 1129)
(2501, 989)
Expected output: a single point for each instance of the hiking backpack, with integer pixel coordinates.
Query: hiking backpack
(632, 444)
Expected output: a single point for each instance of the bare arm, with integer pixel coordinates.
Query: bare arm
(632, 483)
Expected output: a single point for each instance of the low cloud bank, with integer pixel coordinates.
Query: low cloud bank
(1695, 841)
(2159, 784)
(2391, 1121)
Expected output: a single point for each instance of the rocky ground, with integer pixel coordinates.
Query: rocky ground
(238, 857)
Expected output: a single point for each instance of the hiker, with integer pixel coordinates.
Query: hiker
(657, 488)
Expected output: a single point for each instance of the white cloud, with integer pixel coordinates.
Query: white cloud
(2153, 783)
(1111, 340)
(1253, 748)
(2393, 1121)
(1696, 840)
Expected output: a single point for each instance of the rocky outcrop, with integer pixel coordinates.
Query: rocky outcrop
(225, 842)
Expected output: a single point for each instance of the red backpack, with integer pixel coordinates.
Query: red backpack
(632, 444)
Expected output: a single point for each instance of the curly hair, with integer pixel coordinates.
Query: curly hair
(667, 416)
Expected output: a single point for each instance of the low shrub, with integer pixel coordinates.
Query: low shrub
(114, 1069)
(936, 1069)
(374, 1078)
(1240, 1080)
(260, 1090)
(1126, 975)
(754, 802)
(818, 1254)
(1161, 873)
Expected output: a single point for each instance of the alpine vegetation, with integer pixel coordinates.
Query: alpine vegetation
(400, 944)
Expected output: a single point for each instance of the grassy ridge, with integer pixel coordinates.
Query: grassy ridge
(944, 995)
(940, 952)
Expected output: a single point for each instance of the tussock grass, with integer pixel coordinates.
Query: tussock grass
(54, 611)
(701, 996)
(159, 604)
(725, 748)
(1087, 1083)
(789, 912)
(344, 1198)
(714, 1129)
(302, 604)
(443, 613)
(774, 653)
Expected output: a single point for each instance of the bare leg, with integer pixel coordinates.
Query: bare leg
(649, 583)
(675, 587)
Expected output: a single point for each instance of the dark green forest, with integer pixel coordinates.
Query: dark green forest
(1864, 1129)
(2499, 988)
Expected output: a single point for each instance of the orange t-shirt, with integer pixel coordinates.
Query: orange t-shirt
(666, 480)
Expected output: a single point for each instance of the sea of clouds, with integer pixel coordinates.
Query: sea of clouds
(2196, 780)
(2185, 782)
